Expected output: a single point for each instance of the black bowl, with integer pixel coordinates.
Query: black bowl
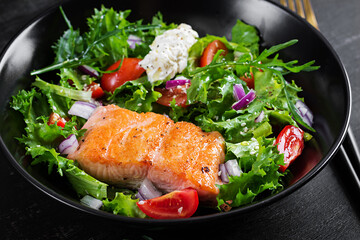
(327, 91)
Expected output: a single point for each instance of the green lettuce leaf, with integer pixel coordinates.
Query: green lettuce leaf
(246, 35)
(41, 139)
(262, 176)
(123, 205)
(114, 47)
(209, 97)
(62, 91)
(70, 45)
(137, 95)
(83, 183)
(79, 80)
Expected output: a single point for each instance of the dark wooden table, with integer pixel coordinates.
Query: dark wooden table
(325, 208)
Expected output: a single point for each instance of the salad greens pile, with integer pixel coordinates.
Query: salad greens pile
(209, 98)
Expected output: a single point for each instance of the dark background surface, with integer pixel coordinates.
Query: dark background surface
(328, 207)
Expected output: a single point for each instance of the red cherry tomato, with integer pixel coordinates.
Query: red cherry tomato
(248, 79)
(55, 118)
(177, 204)
(97, 91)
(129, 70)
(178, 93)
(291, 143)
(211, 50)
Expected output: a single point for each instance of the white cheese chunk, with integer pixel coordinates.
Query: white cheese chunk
(169, 53)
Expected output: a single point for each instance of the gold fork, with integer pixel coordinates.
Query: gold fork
(303, 8)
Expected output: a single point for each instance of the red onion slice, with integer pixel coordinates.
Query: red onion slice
(96, 102)
(246, 100)
(69, 145)
(304, 112)
(260, 117)
(238, 91)
(91, 202)
(82, 109)
(139, 196)
(233, 168)
(176, 82)
(223, 173)
(147, 190)
(133, 40)
(89, 71)
(230, 168)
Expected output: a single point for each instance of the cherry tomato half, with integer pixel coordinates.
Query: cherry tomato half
(178, 93)
(291, 143)
(97, 91)
(248, 79)
(211, 50)
(129, 70)
(177, 204)
(55, 118)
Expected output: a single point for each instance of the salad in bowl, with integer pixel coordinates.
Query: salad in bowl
(151, 120)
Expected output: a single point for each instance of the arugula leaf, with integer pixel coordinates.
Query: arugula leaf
(107, 26)
(257, 62)
(203, 77)
(105, 42)
(202, 84)
(70, 45)
(294, 111)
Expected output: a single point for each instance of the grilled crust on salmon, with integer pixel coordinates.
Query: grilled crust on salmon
(122, 147)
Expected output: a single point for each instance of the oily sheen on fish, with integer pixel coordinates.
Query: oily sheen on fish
(122, 147)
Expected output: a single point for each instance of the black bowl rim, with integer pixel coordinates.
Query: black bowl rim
(207, 218)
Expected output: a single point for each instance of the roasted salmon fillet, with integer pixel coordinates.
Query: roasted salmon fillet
(122, 147)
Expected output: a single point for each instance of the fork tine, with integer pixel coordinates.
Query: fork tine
(292, 5)
(302, 5)
(284, 3)
(310, 15)
(300, 8)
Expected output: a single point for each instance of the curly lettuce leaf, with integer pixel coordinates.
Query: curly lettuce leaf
(244, 151)
(123, 204)
(137, 95)
(36, 108)
(42, 139)
(113, 47)
(39, 137)
(262, 176)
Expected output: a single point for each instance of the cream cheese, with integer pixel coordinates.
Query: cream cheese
(169, 53)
